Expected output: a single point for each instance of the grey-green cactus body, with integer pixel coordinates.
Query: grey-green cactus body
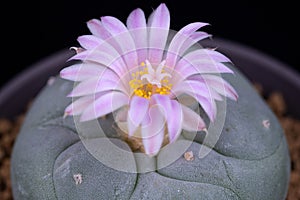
(249, 161)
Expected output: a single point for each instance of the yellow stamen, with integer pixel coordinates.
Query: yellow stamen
(145, 89)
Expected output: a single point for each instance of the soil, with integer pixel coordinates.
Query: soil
(8, 132)
(10, 128)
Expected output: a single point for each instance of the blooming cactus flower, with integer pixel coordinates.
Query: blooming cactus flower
(136, 68)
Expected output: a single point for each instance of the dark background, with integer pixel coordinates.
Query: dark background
(31, 31)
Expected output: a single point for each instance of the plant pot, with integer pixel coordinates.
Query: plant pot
(37, 76)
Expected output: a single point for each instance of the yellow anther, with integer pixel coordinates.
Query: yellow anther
(145, 89)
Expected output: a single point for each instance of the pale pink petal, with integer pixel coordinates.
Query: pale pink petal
(95, 85)
(104, 105)
(150, 18)
(191, 120)
(96, 28)
(121, 116)
(199, 35)
(208, 104)
(173, 114)
(187, 68)
(137, 111)
(102, 58)
(79, 105)
(174, 50)
(82, 71)
(163, 102)
(206, 54)
(153, 130)
(113, 25)
(214, 94)
(89, 41)
(160, 17)
(191, 87)
(201, 93)
(117, 61)
(137, 26)
(123, 38)
(193, 39)
(183, 72)
(109, 74)
(136, 19)
(196, 86)
(202, 61)
(159, 25)
(192, 27)
(107, 54)
(175, 121)
(221, 86)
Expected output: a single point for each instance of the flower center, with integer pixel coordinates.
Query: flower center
(148, 81)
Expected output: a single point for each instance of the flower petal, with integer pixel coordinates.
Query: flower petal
(89, 41)
(95, 85)
(199, 78)
(175, 121)
(137, 111)
(174, 50)
(201, 93)
(94, 56)
(159, 25)
(193, 39)
(96, 28)
(186, 67)
(208, 105)
(153, 130)
(191, 120)
(221, 86)
(113, 25)
(191, 87)
(123, 38)
(137, 26)
(206, 54)
(160, 17)
(163, 102)
(173, 115)
(79, 105)
(199, 35)
(82, 71)
(136, 19)
(104, 105)
(102, 57)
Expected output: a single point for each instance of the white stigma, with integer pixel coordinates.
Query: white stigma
(155, 76)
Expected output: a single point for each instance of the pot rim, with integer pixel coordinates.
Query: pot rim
(249, 53)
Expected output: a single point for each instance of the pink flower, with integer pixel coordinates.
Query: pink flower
(136, 72)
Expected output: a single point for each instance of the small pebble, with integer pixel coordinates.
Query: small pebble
(77, 178)
(266, 123)
(189, 156)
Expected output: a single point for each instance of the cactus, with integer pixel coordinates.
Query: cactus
(249, 161)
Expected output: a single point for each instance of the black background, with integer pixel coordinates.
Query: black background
(31, 31)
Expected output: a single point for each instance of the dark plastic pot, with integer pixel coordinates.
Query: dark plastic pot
(257, 66)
